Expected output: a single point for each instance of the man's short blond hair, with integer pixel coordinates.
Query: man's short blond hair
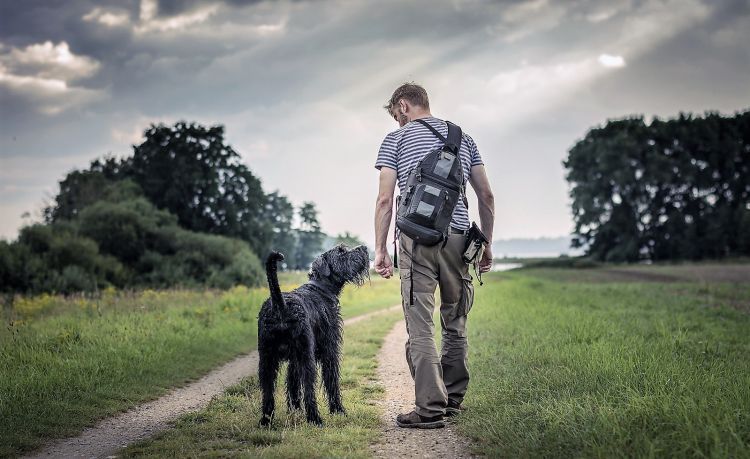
(412, 92)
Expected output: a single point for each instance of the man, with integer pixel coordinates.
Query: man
(440, 382)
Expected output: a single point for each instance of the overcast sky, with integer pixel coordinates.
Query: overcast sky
(300, 85)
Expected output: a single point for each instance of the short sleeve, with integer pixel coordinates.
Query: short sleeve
(476, 158)
(388, 153)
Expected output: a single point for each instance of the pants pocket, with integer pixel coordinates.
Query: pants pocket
(467, 297)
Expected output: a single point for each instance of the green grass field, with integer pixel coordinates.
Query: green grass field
(68, 362)
(612, 361)
(562, 368)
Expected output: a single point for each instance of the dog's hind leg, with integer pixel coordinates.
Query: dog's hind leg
(308, 369)
(268, 369)
(329, 363)
(293, 386)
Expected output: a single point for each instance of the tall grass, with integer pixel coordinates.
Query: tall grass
(608, 370)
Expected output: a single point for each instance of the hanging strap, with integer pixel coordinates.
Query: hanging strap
(395, 243)
(478, 272)
(411, 273)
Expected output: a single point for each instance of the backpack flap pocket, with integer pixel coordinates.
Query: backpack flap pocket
(445, 164)
(426, 203)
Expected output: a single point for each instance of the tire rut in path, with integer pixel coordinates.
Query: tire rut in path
(393, 373)
(111, 434)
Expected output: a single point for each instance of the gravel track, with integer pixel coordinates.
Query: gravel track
(393, 373)
(111, 434)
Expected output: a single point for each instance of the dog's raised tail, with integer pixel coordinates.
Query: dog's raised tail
(273, 278)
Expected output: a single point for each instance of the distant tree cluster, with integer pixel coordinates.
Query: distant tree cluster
(183, 210)
(674, 189)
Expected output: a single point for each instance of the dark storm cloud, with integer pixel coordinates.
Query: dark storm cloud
(175, 7)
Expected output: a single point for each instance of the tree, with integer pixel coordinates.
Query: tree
(82, 188)
(279, 214)
(348, 239)
(124, 229)
(141, 221)
(309, 236)
(670, 189)
(189, 170)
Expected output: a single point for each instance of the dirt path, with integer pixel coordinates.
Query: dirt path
(399, 398)
(143, 421)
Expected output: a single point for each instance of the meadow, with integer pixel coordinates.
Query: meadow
(601, 362)
(68, 361)
(608, 367)
(560, 368)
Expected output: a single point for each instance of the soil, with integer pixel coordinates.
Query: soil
(393, 373)
(109, 435)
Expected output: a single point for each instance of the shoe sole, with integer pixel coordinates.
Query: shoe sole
(422, 425)
(452, 411)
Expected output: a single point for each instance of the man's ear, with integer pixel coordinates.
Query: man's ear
(404, 106)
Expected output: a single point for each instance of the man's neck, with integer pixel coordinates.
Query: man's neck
(420, 115)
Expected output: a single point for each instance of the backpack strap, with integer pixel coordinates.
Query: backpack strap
(453, 142)
(434, 131)
(455, 136)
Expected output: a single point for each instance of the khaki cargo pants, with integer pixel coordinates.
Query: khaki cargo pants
(422, 269)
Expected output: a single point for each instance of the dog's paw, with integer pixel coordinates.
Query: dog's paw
(316, 420)
(338, 410)
(294, 407)
(265, 421)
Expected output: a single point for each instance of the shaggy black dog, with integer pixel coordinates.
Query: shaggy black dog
(304, 327)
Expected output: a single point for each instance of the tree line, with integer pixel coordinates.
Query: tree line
(182, 210)
(666, 190)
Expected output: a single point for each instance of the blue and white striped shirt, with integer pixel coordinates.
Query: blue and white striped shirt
(403, 148)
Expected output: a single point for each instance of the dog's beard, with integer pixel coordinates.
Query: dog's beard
(360, 277)
(360, 268)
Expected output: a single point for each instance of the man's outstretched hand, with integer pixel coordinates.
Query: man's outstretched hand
(485, 263)
(383, 264)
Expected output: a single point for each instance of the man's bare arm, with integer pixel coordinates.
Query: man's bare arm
(481, 185)
(383, 212)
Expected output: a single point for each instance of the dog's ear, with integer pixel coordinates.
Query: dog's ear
(320, 266)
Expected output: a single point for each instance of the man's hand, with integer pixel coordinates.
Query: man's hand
(383, 264)
(485, 263)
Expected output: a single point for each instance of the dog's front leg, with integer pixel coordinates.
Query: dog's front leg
(268, 369)
(329, 363)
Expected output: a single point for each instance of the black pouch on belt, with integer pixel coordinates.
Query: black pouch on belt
(475, 243)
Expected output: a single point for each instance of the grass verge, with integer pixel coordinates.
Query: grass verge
(608, 369)
(229, 425)
(69, 362)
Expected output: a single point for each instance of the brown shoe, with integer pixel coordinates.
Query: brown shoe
(454, 408)
(414, 420)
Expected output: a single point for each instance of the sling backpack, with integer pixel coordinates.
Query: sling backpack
(433, 189)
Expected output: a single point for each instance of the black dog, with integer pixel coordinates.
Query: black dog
(304, 327)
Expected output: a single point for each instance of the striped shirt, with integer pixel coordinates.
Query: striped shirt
(403, 148)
